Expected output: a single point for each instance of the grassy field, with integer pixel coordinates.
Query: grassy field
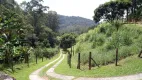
(22, 72)
(130, 65)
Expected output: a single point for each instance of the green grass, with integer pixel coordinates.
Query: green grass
(130, 65)
(24, 71)
(103, 40)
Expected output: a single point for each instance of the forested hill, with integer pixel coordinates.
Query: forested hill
(74, 24)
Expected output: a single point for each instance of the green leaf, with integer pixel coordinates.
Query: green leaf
(1, 40)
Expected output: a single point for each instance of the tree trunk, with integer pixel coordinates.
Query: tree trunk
(127, 15)
(36, 58)
(42, 58)
(71, 49)
(26, 56)
(6, 60)
(28, 59)
(12, 63)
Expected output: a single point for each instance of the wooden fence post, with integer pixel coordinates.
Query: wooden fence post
(69, 59)
(90, 61)
(78, 65)
(116, 57)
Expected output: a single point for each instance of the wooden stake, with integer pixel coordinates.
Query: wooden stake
(90, 61)
(78, 65)
(116, 57)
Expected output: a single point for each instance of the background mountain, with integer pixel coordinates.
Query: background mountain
(74, 24)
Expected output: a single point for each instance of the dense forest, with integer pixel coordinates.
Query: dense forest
(26, 33)
(68, 24)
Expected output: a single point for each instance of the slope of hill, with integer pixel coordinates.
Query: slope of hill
(74, 24)
(103, 40)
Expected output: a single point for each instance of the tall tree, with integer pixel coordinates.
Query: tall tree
(36, 9)
(110, 11)
(11, 27)
(53, 20)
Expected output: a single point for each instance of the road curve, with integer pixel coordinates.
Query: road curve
(35, 74)
(51, 72)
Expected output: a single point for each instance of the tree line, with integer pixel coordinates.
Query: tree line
(126, 10)
(25, 29)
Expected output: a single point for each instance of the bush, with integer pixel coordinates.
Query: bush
(98, 40)
(50, 52)
(139, 42)
(125, 38)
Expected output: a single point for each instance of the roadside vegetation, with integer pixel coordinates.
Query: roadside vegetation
(102, 41)
(115, 40)
(26, 42)
(22, 72)
(128, 66)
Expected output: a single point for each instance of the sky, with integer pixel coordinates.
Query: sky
(82, 8)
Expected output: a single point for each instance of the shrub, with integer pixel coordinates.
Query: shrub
(50, 52)
(125, 38)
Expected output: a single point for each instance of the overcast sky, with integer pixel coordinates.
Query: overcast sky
(82, 8)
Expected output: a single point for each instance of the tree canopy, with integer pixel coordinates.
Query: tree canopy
(112, 10)
(67, 40)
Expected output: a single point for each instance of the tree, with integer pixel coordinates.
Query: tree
(36, 9)
(52, 20)
(10, 32)
(134, 8)
(110, 11)
(9, 4)
(66, 41)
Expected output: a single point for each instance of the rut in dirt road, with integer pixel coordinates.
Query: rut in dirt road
(51, 72)
(35, 74)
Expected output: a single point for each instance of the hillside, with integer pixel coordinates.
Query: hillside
(74, 24)
(103, 40)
